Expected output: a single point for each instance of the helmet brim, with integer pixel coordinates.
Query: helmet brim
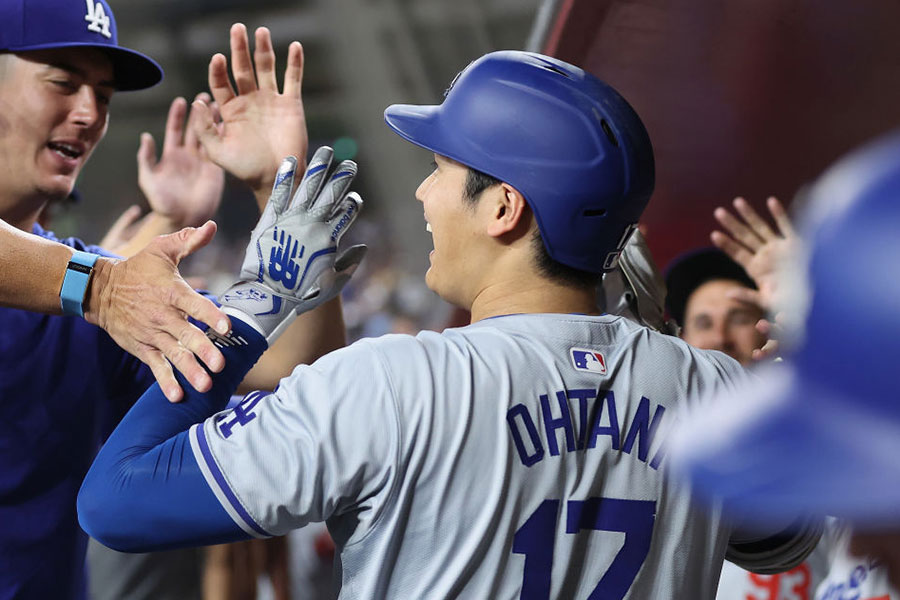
(421, 125)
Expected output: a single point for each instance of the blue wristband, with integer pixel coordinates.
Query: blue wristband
(74, 287)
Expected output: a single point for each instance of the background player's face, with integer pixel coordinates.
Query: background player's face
(713, 321)
(453, 223)
(53, 112)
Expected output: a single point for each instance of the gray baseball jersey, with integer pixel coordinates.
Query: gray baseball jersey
(519, 457)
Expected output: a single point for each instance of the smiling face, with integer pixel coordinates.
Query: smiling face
(713, 321)
(53, 111)
(453, 223)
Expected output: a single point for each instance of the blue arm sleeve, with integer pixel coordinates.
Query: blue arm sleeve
(145, 490)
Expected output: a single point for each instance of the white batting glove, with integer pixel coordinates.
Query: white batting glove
(292, 263)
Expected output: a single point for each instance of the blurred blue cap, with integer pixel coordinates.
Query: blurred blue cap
(822, 434)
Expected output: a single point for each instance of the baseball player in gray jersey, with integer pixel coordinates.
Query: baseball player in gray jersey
(521, 456)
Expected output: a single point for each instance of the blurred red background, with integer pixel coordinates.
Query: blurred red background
(741, 97)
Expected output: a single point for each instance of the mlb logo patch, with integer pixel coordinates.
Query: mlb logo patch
(588, 360)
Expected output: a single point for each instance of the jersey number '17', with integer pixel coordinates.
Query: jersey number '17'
(534, 539)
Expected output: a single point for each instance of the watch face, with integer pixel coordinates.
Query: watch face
(74, 266)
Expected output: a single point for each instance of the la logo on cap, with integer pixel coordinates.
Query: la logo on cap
(98, 20)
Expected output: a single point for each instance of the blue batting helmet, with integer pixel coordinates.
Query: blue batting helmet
(822, 434)
(569, 143)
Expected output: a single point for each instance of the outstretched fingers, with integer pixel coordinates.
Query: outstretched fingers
(756, 223)
(219, 84)
(314, 178)
(241, 65)
(146, 154)
(293, 73)
(191, 139)
(738, 230)
(727, 244)
(344, 214)
(781, 217)
(264, 59)
(175, 124)
(204, 127)
(337, 186)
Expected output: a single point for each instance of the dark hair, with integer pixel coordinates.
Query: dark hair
(477, 182)
(690, 270)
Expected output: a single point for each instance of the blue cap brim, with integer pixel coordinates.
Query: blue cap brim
(423, 126)
(131, 70)
(416, 124)
(788, 447)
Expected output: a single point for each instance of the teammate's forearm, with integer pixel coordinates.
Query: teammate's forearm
(33, 270)
(145, 490)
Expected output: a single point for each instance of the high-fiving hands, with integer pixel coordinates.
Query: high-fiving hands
(292, 263)
(249, 130)
(759, 248)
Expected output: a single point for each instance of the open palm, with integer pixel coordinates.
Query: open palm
(183, 185)
(256, 126)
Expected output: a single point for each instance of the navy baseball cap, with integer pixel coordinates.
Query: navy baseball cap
(43, 24)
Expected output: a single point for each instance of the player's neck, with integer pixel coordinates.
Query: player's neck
(532, 295)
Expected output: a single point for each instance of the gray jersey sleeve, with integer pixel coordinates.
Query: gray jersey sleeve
(323, 444)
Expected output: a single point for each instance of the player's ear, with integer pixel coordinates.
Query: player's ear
(509, 211)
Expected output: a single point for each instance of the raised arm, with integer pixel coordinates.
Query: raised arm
(251, 128)
(247, 131)
(182, 187)
(146, 489)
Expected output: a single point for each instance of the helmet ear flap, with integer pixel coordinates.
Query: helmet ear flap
(572, 146)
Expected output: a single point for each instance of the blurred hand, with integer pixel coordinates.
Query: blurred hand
(257, 125)
(756, 246)
(143, 303)
(122, 230)
(759, 248)
(183, 185)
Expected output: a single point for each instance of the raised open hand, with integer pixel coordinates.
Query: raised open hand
(759, 248)
(183, 185)
(756, 246)
(256, 126)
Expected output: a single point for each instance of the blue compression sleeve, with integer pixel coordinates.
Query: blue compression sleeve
(145, 490)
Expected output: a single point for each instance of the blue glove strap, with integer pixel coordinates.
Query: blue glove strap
(74, 287)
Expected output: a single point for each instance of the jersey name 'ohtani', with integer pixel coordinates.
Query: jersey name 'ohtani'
(519, 457)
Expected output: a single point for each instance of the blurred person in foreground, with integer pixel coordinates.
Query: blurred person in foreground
(718, 306)
(820, 437)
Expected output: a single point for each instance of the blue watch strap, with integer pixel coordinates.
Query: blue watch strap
(74, 287)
